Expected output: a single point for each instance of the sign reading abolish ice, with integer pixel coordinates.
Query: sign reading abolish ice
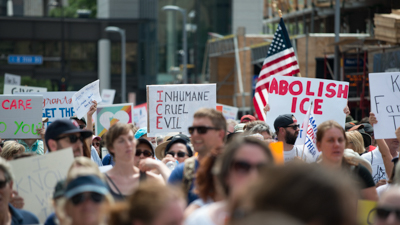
(108, 115)
(171, 107)
(35, 178)
(385, 103)
(82, 100)
(20, 116)
(12, 89)
(293, 95)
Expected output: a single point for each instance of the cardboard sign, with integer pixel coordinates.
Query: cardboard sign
(12, 79)
(108, 115)
(82, 100)
(292, 95)
(35, 178)
(365, 209)
(140, 115)
(277, 152)
(170, 108)
(20, 116)
(385, 103)
(12, 89)
(107, 96)
(229, 112)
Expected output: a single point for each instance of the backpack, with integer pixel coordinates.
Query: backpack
(189, 174)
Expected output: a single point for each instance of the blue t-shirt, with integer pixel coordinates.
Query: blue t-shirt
(177, 176)
(51, 220)
(20, 216)
(108, 160)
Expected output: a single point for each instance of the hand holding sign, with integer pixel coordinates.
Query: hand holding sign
(82, 100)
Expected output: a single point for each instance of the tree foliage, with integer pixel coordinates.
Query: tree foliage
(70, 11)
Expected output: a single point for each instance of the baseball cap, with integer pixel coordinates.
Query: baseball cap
(284, 121)
(147, 142)
(82, 184)
(76, 118)
(360, 128)
(247, 118)
(368, 128)
(142, 131)
(63, 126)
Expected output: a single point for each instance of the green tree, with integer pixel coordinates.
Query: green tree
(70, 11)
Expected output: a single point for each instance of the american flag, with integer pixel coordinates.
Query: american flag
(280, 61)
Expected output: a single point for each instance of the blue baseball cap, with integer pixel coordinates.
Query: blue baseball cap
(142, 131)
(82, 184)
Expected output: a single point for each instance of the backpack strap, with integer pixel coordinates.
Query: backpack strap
(188, 174)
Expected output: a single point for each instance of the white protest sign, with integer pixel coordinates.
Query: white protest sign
(20, 116)
(229, 112)
(35, 178)
(171, 107)
(292, 95)
(82, 100)
(107, 96)
(12, 89)
(385, 103)
(12, 79)
(140, 115)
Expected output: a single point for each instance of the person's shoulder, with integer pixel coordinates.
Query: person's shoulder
(201, 216)
(27, 217)
(177, 173)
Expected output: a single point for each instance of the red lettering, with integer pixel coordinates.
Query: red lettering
(294, 104)
(308, 92)
(28, 104)
(13, 104)
(273, 86)
(21, 103)
(292, 85)
(302, 110)
(343, 91)
(329, 88)
(2, 104)
(157, 109)
(283, 87)
(317, 106)
(320, 89)
(159, 96)
(158, 122)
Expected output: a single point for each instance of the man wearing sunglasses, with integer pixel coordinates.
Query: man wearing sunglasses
(388, 210)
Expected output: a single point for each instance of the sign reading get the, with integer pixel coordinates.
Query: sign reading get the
(20, 116)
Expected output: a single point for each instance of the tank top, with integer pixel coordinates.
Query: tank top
(119, 196)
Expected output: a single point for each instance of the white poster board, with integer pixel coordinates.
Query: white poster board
(20, 116)
(292, 95)
(385, 103)
(82, 100)
(12, 89)
(170, 108)
(35, 178)
(140, 115)
(229, 112)
(12, 79)
(107, 96)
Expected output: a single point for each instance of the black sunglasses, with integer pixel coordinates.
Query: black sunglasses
(245, 167)
(79, 198)
(97, 144)
(3, 183)
(82, 126)
(295, 127)
(72, 138)
(146, 153)
(2, 144)
(383, 213)
(180, 154)
(201, 129)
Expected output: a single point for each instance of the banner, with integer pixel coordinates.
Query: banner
(170, 108)
(385, 103)
(82, 100)
(35, 178)
(140, 115)
(12, 89)
(365, 209)
(108, 115)
(107, 96)
(12, 79)
(229, 112)
(20, 116)
(292, 95)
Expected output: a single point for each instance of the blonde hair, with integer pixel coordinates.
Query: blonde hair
(11, 149)
(354, 137)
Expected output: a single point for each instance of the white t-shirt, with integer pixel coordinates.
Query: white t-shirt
(378, 168)
(297, 151)
(201, 216)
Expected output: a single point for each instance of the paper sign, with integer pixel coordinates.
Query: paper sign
(364, 209)
(108, 96)
(35, 178)
(170, 108)
(277, 152)
(140, 115)
(12, 89)
(292, 95)
(385, 103)
(12, 79)
(108, 115)
(20, 116)
(82, 100)
(229, 112)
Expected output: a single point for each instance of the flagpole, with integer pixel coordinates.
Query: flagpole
(305, 136)
(280, 13)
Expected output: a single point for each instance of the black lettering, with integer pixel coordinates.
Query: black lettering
(389, 107)
(194, 96)
(173, 123)
(167, 123)
(394, 120)
(187, 96)
(167, 106)
(167, 95)
(206, 96)
(184, 109)
(177, 123)
(395, 82)
(200, 98)
(180, 109)
(376, 102)
(175, 93)
(181, 96)
(172, 109)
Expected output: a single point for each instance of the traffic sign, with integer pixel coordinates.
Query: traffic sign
(25, 59)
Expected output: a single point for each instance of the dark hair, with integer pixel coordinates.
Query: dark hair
(182, 141)
(114, 132)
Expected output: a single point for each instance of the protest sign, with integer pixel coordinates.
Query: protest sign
(385, 103)
(229, 112)
(292, 95)
(140, 115)
(35, 178)
(82, 100)
(365, 208)
(12, 79)
(12, 89)
(277, 152)
(170, 108)
(107, 96)
(108, 115)
(20, 116)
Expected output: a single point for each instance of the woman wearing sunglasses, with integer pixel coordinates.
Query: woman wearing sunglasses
(388, 210)
(238, 165)
(177, 149)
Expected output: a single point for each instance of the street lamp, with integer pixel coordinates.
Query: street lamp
(184, 38)
(123, 60)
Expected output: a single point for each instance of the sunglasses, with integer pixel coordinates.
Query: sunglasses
(146, 153)
(2, 144)
(97, 144)
(201, 129)
(72, 138)
(244, 167)
(3, 183)
(383, 213)
(93, 196)
(82, 126)
(180, 154)
(295, 127)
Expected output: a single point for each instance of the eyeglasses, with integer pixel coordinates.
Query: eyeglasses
(97, 144)
(3, 183)
(245, 167)
(93, 196)
(146, 153)
(180, 154)
(72, 138)
(383, 213)
(82, 126)
(201, 129)
(295, 127)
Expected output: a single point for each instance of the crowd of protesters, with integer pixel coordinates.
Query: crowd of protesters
(224, 173)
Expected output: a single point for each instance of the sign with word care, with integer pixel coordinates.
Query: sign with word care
(20, 116)
(35, 178)
(107, 96)
(12, 79)
(82, 100)
(385, 103)
(171, 107)
(12, 89)
(292, 95)
(108, 115)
